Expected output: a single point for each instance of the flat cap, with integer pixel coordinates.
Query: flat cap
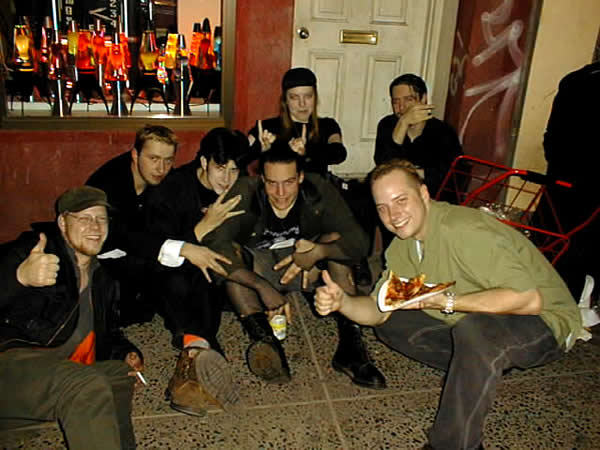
(79, 198)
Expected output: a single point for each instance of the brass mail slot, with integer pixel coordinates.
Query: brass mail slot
(358, 37)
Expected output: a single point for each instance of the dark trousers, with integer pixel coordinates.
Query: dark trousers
(474, 353)
(92, 404)
(191, 305)
(137, 287)
(572, 208)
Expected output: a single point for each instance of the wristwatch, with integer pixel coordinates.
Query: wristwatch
(450, 300)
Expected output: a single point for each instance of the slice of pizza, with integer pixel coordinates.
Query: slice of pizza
(436, 287)
(399, 291)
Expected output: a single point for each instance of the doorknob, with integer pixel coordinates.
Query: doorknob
(303, 32)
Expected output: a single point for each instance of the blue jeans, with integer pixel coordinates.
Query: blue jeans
(474, 353)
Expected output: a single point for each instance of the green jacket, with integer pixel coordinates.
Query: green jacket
(479, 252)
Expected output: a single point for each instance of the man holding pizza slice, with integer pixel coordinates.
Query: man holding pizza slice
(509, 307)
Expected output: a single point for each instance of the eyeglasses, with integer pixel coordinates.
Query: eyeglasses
(87, 220)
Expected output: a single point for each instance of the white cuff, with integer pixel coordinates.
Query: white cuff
(169, 253)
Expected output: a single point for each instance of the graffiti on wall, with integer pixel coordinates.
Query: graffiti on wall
(507, 85)
(486, 75)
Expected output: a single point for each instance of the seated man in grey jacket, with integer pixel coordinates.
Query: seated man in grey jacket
(292, 221)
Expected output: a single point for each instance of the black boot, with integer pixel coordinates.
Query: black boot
(353, 359)
(265, 356)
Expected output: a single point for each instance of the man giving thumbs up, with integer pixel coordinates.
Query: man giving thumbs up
(61, 356)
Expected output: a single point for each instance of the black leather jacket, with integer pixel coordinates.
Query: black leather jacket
(46, 317)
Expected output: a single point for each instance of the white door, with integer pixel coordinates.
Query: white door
(353, 78)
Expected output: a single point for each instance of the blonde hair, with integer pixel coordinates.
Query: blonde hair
(392, 165)
(154, 133)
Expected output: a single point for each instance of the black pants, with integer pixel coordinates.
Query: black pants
(570, 208)
(137, 290)
(190, 304)
(474, 353)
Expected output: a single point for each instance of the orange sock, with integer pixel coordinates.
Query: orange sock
(199, 341)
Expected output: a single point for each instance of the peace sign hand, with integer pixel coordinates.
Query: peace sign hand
(216, 214)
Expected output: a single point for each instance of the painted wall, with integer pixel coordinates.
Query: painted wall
(488, 74)
(263, 53)
(567, 33)
(36, 167)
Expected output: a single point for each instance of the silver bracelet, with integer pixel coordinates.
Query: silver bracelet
(450, 300)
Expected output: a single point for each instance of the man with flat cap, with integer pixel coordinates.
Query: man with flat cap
(61, 356)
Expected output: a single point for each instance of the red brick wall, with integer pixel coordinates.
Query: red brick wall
(263, 53)
(492, 50)
(36, 167)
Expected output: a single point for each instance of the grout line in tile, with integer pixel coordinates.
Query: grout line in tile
(249, 408)
(313, 356)
(547, 376)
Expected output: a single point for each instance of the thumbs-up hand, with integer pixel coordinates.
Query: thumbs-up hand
(299, 144)
(39, 269)
(329, 298)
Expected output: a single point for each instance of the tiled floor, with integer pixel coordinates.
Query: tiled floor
(556, 406)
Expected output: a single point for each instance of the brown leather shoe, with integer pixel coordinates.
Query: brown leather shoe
(202, 378)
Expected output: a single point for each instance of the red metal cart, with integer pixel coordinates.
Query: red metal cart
(520, 198)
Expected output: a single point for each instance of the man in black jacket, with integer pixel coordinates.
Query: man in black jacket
(128, 180)
(184, 209)
(570, 147)
(292, 221)
(61, 355)
(412, 133)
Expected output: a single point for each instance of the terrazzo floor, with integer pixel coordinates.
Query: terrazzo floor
(553, 407)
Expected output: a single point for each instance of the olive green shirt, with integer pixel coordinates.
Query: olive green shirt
(479, 253)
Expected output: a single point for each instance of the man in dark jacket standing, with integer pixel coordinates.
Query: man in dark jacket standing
(570, 147)
(61, 356)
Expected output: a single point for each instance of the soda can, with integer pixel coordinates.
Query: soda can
(279, 325)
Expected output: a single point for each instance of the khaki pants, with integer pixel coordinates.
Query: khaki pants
(91, 403)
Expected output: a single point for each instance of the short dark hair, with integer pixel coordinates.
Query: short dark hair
(392, 165)
(154, 133)
(280, 152)
(223, 145)
(414, 81)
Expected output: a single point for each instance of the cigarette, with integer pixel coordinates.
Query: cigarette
(141, 377)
